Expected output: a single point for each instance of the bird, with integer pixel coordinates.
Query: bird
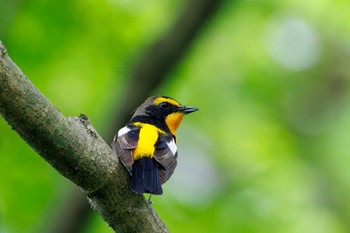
(147, 144)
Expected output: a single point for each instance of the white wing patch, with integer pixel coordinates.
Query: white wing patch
(123, 131)
(172, 146)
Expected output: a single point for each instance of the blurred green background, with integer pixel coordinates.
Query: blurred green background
(267, 152)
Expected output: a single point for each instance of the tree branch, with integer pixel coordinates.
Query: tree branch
(73, 147)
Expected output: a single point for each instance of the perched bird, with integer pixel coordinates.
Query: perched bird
(147, 144)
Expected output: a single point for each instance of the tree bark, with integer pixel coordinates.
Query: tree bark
(73, 147)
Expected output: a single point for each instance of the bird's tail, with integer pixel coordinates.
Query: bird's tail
(145, 176)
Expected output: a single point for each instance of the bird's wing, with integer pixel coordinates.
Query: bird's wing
(124, 142)
(166, 156)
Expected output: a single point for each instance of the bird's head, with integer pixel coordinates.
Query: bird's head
(164, 109)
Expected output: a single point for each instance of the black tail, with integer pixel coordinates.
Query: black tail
(145, 176)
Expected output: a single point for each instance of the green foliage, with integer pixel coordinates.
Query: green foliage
(268, 150)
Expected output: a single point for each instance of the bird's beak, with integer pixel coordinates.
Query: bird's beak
(187, 110)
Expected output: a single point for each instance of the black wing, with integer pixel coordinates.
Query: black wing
(166, 156)
(123, 144)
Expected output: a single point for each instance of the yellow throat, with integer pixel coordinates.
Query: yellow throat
(173, 121)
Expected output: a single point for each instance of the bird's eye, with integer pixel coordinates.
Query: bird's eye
(164, 105)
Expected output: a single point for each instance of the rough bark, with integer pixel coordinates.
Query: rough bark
(73, 147)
